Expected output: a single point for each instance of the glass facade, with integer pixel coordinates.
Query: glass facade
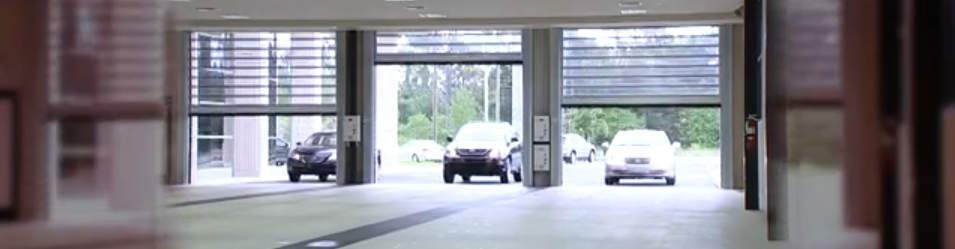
(449, 46)
(256, 93)
(262, 72)
(635, 66)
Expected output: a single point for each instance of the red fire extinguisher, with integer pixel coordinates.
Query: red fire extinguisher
(750, 138)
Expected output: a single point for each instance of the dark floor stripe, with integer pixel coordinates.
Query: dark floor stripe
(370, 231)
(246, 196)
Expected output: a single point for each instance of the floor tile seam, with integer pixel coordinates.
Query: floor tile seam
(227, 199)
(391, 226)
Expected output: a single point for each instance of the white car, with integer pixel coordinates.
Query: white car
(576, 147)
(421, 151)
(640, 154)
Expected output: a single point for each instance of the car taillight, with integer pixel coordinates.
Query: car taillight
(424, 150)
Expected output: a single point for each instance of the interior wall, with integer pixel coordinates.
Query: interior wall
(176, 108)
(738, 113)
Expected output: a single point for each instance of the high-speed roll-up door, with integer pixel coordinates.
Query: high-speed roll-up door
(641, 66)
(262, 73)
(449, 46)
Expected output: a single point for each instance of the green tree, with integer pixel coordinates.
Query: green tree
(700, 127)
(464, 109)
(418, 127)
(599, 125)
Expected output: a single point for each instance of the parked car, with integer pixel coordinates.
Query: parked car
(640, 154)
(317, 155)
(421, 150)
(278, 151)
(576, 147)
(484, 149)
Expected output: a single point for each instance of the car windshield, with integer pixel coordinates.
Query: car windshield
(481, 134)
(321, 140)
(640, 139)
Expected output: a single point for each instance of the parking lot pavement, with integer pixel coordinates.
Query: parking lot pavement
(692, 171)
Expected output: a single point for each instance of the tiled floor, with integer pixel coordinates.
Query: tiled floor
(483, 216)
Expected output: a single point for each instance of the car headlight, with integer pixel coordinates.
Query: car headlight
(295, 156)
(334, 156)
(496, 154)
(451, 152)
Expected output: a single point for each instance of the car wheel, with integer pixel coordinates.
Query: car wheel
(448, 177)
(323, 177)
(466, 178)
(611, 181)
(414, 158)
(573, 157)
(293, 177)
(592, 157)
(671, 180)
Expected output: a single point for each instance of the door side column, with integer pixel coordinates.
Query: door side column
(356, 98)
(542, 51)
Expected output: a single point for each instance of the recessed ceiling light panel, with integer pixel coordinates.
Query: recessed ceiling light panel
(432, 15)
(415, 8)
(234, 17)
(206, 9)
(630, 4)
(633, 12)
(399, 0)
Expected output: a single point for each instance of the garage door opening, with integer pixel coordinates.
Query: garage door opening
(462, 115)
(638, 146)
(254, 95)
(226, 149)
(449, 94)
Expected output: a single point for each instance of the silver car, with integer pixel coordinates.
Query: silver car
(576, 148)
(421, 151)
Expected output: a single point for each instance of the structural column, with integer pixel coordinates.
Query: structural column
(177, 104)
(356, 99)
(249, 150)
(542, 94)
(731, 107)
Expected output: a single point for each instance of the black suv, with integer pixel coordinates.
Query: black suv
(484, 149)
(318, 155)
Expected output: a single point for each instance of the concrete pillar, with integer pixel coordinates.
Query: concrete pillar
(731, 111)
(250, 150)
(177, 106)
(542, 51)
(386, 112)
(355, 94)
(517, 97)
(306, 78)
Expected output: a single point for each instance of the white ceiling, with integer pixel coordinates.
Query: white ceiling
(385, 13)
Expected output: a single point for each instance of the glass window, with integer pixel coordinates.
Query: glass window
(262, 72)
(641, 65)
(449, 41)
(444, 46)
